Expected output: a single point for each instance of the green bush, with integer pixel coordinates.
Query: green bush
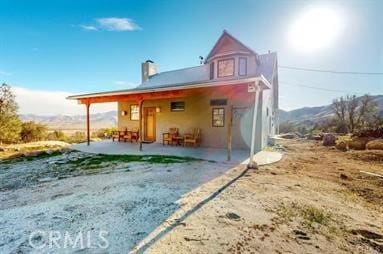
(103, 133)
(31, 131)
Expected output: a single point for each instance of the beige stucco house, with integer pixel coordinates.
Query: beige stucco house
(217, 96)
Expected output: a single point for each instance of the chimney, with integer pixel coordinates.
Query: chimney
(149, 68)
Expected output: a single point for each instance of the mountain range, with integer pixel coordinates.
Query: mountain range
(75, 122)
(303, 116)
(310, 115)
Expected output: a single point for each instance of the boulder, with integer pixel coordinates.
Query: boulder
(329, 139)
(376, 144)
(342, 146)
(288, 136)
(358, 143)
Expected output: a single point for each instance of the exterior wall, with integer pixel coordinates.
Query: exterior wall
(198, 114)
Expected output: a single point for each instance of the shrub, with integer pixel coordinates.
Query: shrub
(31, 131)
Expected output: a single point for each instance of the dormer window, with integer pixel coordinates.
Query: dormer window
(226, 67)
(242, 66)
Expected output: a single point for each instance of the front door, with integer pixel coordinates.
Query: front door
(150, 124)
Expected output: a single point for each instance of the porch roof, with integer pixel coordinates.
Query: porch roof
(110, 96)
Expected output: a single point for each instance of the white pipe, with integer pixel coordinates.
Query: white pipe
(252, 164)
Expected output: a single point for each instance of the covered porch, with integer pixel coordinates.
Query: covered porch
(198, 97)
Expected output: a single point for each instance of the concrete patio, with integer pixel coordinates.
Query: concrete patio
(215, 154)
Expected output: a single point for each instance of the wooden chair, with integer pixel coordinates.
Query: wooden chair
(135, 134)
(193, 138)
(119, 135)
(131, 135)
(168, 136)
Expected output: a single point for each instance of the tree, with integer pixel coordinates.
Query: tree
(31, 131)
(57, 135)
(353, 113)
(10, 124)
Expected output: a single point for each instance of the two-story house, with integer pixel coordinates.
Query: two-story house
(217, 97)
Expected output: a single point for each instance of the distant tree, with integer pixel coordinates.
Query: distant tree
(286, 127)
(56, 135)
(77, 137)
(103, 133)
(10, 124)
(31, 131)
(353, 113)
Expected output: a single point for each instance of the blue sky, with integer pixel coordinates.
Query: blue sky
(75, 46)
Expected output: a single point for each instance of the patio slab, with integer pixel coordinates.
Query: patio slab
(215, 154)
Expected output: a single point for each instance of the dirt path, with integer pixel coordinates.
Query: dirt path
(313, 201)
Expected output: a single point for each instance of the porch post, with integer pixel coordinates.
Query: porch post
(229, 133)
(252, 163)
(140, 123)
(87, 124)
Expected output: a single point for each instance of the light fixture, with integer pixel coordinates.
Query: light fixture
(158, 109)
(123, 113)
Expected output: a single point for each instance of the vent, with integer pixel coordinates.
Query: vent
(218, 102)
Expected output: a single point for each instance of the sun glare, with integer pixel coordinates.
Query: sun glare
(314, 29)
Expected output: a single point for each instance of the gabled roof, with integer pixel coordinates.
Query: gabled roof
(226, 37)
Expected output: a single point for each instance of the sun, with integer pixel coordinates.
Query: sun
(315, 28)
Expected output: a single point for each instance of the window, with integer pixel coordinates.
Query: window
(134, 112)
(218, 102)
(242, 70)
(218, 115)
(226, 68)
(212, 70)
(177, 106)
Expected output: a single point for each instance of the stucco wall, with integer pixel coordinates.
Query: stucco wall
(198, 113)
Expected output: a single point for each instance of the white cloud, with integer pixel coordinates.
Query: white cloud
(89, 27)
(112, 24)
(42, 102)
(117, 24)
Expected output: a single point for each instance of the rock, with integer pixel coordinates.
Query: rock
(233, 216)
(288, 136)
(344, 177)
(342, 146)
(358, 143)
(2, 149)
(329, 140)
(376, 144)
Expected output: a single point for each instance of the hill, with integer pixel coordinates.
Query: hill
(310, 115)
(75, 122)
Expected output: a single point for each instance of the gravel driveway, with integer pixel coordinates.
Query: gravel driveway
(111, 203)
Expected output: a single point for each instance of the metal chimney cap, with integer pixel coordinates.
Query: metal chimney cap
(149, 61)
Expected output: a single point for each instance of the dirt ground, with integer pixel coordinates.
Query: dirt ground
(315, 200)
(74, 193)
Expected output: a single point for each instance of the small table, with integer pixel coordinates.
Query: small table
(178, 140)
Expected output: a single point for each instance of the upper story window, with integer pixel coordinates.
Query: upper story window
(226, 67)
(242, 68)
(212, 70)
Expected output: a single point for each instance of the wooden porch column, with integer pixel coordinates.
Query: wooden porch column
(140, 132)
(87, 124)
